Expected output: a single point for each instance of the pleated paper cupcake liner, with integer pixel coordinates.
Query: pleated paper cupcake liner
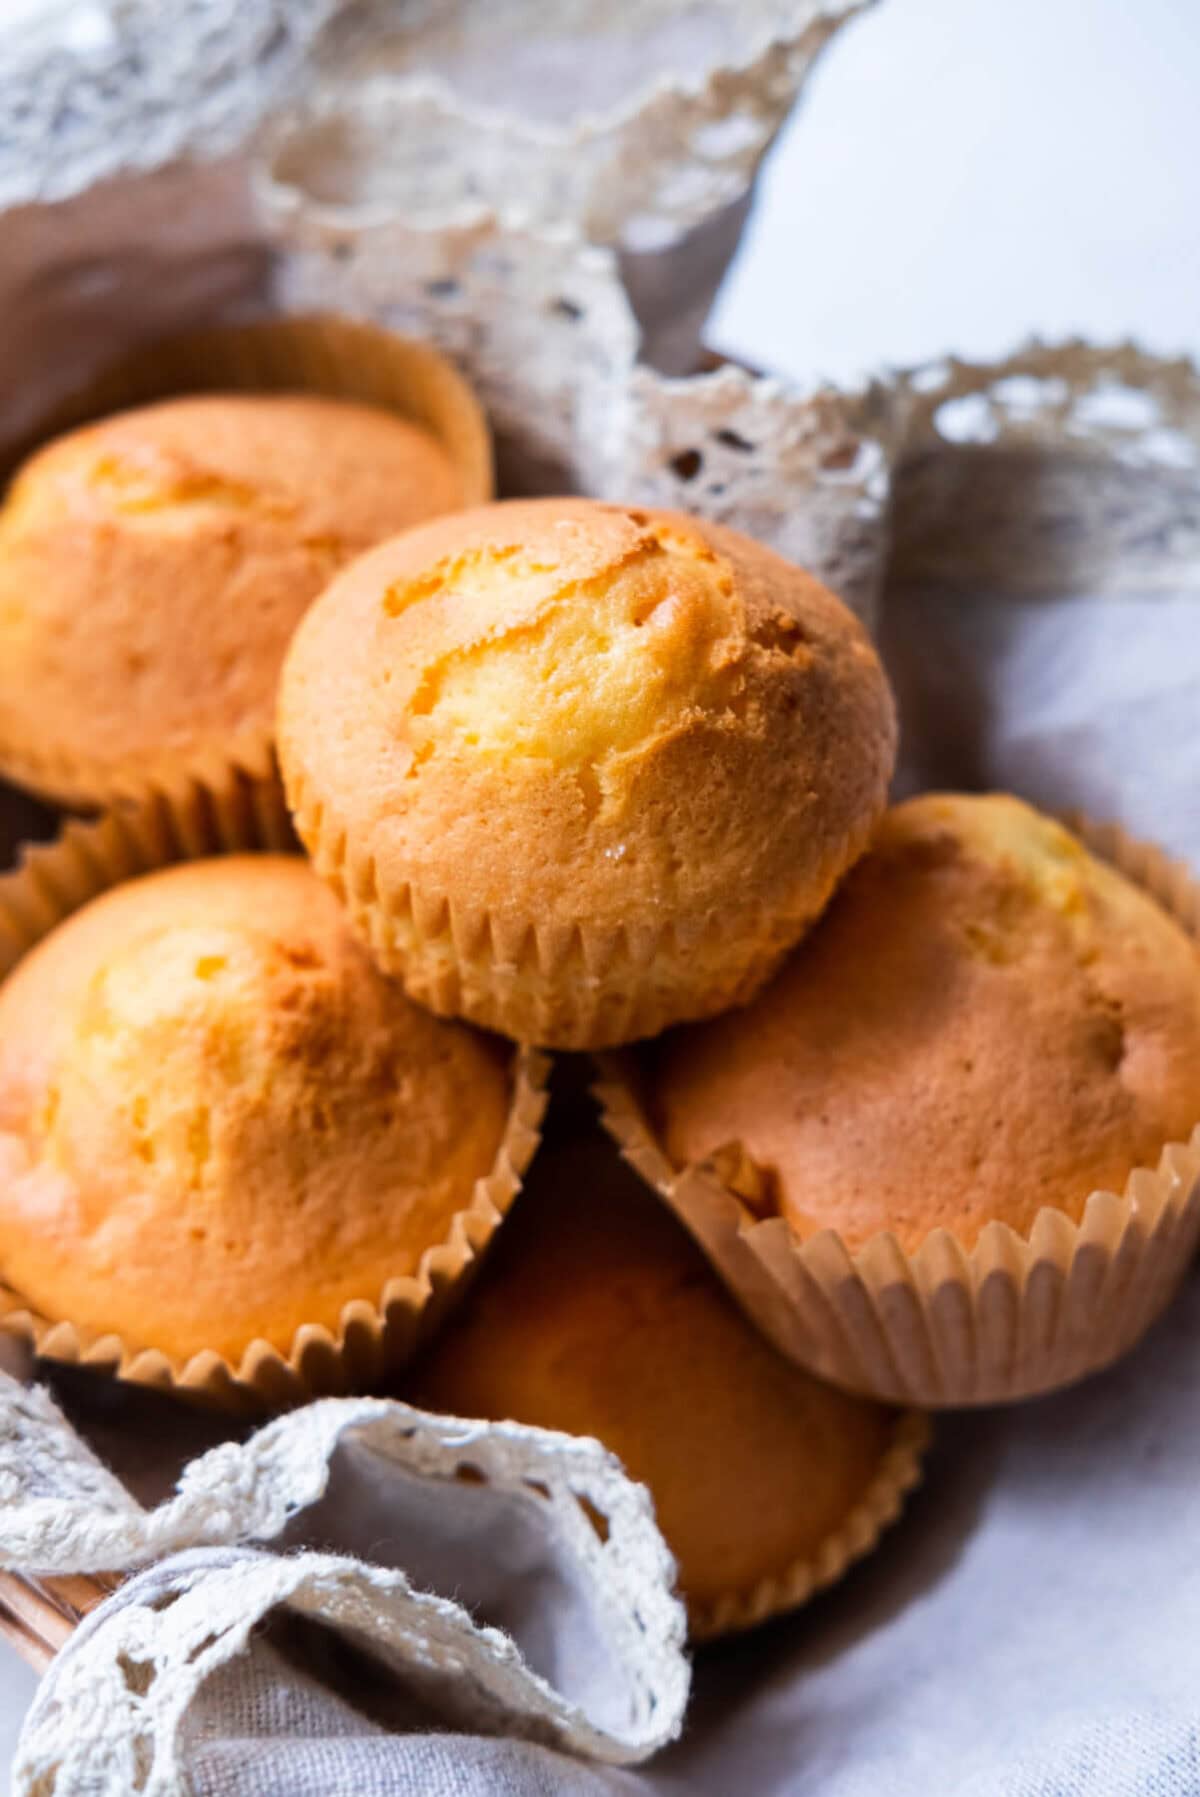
(332, 357)
(377, 1332)
(898, 1474)
(559, 986)
(1013, 1317)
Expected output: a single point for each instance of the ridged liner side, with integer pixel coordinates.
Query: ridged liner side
(578, 988)
(898, 1473)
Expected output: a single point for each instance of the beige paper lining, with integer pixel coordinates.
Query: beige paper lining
(334, 357)
(565, 987)
(376, 1333)
(1011, 1318)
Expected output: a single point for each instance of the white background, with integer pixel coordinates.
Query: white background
(963, 173)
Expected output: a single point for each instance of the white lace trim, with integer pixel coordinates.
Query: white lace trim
(661, 124)
(90, 89)
(179, 1623)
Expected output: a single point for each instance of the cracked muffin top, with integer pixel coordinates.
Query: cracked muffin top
(218, 1121)
(602, 764)
(988, 1020)
(154, 565)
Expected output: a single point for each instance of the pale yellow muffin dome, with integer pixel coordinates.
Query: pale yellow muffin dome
(154, 565)
(988, 1020)
(219, 1121)
(581, 771)
(597, 1315)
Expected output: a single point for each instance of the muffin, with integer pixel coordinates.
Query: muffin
(580, 772)
(598, 1316)
(989, 1027)
(989, 1021)
(220, 1125)
(154, 565)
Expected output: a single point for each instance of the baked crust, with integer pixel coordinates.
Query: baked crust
(154, 565)
(219, 1122)
(988, 1021)
(582, 771)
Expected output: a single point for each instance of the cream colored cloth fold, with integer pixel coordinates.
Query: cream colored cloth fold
(507, 1580)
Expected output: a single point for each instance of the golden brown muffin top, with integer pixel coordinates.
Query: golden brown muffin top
(597, 1314)
(987, 1020)
(154, 565)
(218, 1122)
(561, 713)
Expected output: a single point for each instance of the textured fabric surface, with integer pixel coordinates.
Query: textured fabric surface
(501, 1579)
(311, 1740)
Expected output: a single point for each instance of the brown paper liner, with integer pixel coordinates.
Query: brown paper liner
(558, 985)
(899, 1472)
(335, 357)
(1011, 1318)
(376, 1333)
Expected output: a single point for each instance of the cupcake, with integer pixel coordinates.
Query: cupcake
(989, 1027)
(225, 1135)
(580, 772)
(153, 567)
(596, 1315)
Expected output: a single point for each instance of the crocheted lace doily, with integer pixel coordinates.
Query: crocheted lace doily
(592, 1530)
(638, 122)
(91, 89)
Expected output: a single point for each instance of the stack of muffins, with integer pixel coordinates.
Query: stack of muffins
(913, 1094)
